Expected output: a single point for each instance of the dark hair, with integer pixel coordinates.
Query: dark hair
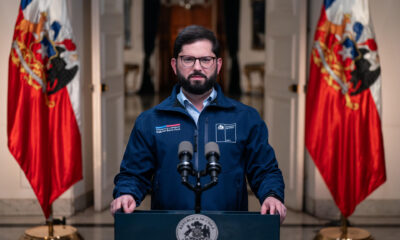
(192, 34)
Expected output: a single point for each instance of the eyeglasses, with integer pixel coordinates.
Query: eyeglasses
(205, 62)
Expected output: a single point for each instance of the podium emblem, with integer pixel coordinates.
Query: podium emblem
(196, 227)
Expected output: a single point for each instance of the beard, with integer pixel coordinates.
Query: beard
(197, 87)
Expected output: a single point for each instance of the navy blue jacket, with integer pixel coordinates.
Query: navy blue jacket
(150, 160)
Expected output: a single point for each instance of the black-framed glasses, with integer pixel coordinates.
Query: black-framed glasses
(205, 62)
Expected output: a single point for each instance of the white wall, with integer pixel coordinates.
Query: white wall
(135, 54)
(246, 54)
(16, 196)
(80, 19)
(385, 16)
(9, 172)
(386, 199)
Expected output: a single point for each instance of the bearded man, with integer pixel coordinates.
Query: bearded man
(197, 111)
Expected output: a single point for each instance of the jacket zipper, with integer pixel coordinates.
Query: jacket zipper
(206, 132)
(196, 153)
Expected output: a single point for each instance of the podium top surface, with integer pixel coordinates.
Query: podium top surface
(193, 212)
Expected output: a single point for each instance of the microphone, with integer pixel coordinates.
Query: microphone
(185, 153)
(212, 156)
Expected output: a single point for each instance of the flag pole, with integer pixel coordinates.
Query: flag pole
(344, 225)
(50, 222)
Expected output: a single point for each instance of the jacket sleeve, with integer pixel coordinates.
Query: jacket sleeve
(137, 165)
(264, 176)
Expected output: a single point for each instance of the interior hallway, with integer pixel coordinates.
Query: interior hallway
(100, 225)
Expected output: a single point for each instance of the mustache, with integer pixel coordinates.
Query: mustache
(197, 74)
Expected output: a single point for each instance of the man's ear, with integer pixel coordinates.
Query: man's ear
(219, 64)
(173, 64)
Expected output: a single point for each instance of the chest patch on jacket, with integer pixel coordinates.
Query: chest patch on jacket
(168, 128)
(225, 132)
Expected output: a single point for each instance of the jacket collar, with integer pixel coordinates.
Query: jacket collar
(172, 103)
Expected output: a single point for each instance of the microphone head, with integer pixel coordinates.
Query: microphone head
(211, 147)
(185, 146)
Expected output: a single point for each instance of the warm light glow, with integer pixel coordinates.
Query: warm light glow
(185, 3)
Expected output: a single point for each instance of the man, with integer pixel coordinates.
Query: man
(198, 112)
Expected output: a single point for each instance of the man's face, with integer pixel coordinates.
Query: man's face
(199, 77)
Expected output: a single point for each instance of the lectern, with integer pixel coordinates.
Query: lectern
(210, 225)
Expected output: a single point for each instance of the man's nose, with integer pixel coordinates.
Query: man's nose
(197, 65)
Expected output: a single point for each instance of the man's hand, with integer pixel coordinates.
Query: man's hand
(127, 202)
(274, 206)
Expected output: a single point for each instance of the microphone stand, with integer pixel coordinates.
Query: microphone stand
(198, 189)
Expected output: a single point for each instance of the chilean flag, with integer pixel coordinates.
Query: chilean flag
(43, 100)
(343, 104)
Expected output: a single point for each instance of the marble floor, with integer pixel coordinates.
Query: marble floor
(297, 226)
(100, 225)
